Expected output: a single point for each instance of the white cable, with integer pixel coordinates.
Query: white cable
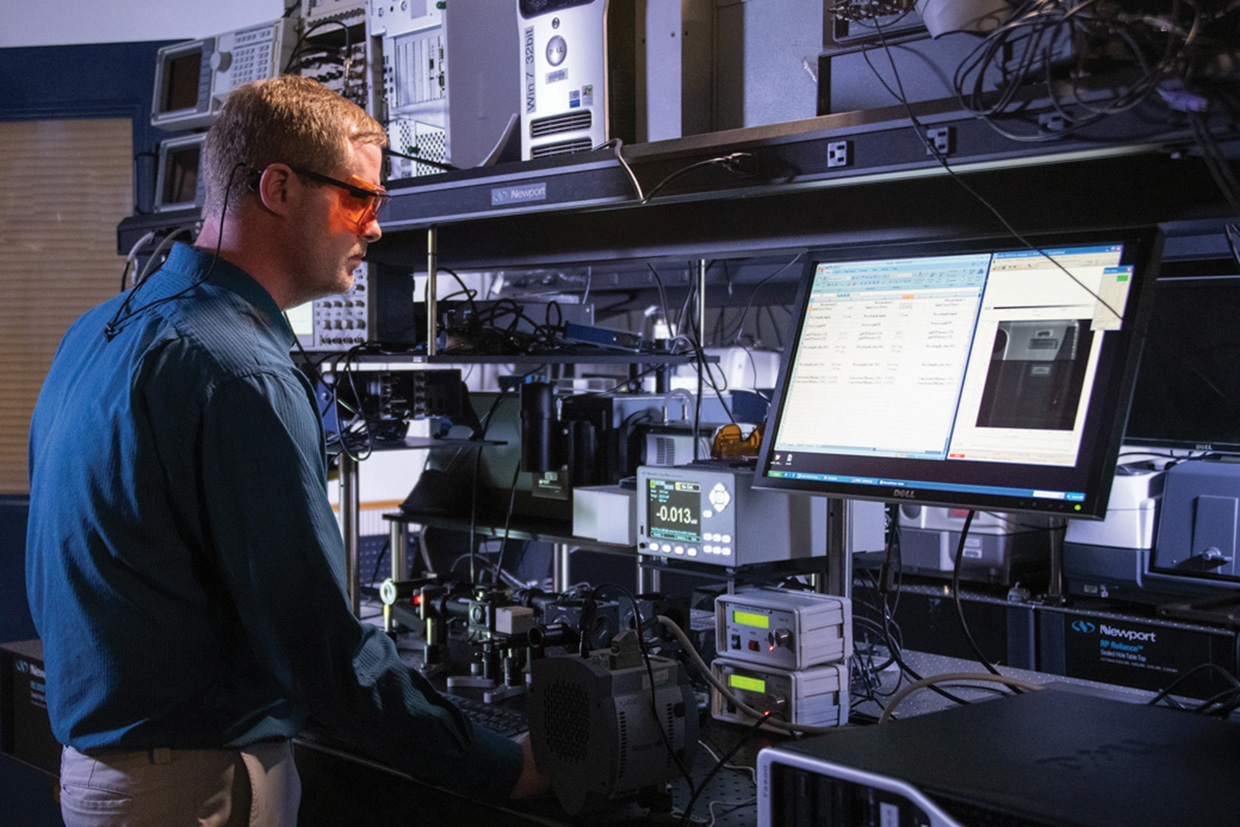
(163, 245)
(133, 251)
(897, 698)
(734, 804)
(617, 147)
(753, 774)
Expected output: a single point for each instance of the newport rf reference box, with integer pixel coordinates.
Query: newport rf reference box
(25, 731)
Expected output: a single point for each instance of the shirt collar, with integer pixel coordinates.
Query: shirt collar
(195, 262)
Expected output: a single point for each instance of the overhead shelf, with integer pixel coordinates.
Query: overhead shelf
(852, 178)
(847, 149)
(848, 178)
(598, 357)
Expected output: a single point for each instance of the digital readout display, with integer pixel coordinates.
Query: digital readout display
(674, 510)
(746, 683)
(752, 619)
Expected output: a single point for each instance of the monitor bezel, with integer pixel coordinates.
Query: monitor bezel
(168, 150)
(1105, 421)
(187, 116)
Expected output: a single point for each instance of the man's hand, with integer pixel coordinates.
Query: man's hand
(532, 781)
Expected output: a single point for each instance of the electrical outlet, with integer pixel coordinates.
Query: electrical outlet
(941, 141)
(839, 154)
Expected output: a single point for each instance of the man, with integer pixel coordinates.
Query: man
(184, 567)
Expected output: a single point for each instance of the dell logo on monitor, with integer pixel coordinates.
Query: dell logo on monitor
(904, 493)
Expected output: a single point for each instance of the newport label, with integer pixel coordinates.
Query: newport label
(522, 194)
(1129, 634)
(27, 668)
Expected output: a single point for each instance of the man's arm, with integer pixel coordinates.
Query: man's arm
(281, 555)
(532, 780)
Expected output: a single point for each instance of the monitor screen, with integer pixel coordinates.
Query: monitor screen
(180, 81)
(1188, 386)
(972, 374)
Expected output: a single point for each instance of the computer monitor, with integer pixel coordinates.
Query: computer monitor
(973, 373)
(1188, 386)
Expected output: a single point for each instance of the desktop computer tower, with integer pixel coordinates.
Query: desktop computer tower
(450, 95)
(577, 74)
(597, 70)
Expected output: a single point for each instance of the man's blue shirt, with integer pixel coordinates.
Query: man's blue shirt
(184, 566)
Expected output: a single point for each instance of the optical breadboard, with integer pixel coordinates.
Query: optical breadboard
(711, 515)
(809, 697)
(1053, 757)
(782, 628)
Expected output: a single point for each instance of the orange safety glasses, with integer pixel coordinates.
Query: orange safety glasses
(361, 201)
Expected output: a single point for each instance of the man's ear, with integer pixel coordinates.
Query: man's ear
(275, 187)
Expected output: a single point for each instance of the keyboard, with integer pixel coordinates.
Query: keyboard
(507, 722)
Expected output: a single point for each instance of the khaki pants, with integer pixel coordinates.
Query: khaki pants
(253, 787)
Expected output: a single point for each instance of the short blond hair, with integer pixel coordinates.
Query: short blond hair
(289, 119)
